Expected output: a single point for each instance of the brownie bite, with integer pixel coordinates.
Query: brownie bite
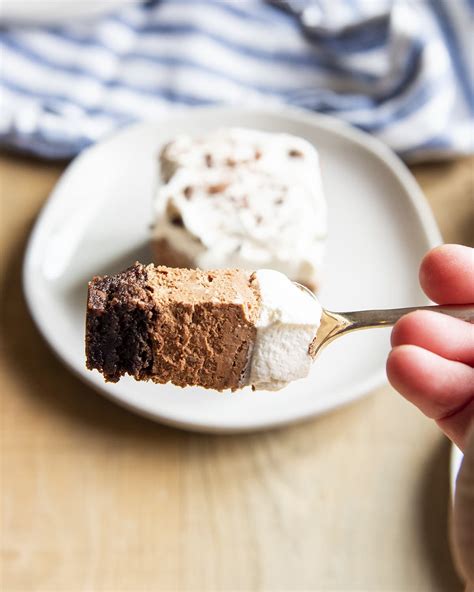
(188, 327)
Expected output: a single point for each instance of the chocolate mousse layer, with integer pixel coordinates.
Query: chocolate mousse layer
(168, 256)
(189, 327)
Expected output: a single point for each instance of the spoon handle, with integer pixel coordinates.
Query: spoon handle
(364, 319)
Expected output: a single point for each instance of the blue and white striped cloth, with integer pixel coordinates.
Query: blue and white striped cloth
(399, 69)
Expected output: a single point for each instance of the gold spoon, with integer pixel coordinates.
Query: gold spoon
(335, 324)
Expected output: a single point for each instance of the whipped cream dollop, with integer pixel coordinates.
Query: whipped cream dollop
(244, 198)
(288, 321)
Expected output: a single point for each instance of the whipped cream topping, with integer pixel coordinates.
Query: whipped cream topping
(288, 321)
(236, 147)
(244, 198)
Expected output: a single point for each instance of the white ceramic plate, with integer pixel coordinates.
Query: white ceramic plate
(97, 221)
(454, 467)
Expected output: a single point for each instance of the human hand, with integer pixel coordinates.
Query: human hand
(432, 360)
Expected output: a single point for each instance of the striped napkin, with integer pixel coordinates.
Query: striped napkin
(399, 69)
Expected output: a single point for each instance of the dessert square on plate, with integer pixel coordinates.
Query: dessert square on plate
(241, 198)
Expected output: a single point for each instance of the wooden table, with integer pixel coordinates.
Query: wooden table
(96, 498)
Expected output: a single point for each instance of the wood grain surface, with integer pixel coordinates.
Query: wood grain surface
(96, 498)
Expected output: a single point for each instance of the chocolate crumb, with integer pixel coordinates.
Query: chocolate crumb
(279, 201)
(294, 153)
(231, 162)
(209, 160)
(218, 188)
(188, 191)
(177, 220)
(258, 219)
(258, 154)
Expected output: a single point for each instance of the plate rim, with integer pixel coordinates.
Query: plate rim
(455, 460)
(369, 143)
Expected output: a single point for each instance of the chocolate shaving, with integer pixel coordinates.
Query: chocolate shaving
(218, 188)
(177, 220)
(294, 153)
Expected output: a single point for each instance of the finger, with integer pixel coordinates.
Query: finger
(447, 274)
(438, 333)
(438, 387)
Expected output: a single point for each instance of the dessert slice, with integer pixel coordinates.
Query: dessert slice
(220, 329)
(241, 198)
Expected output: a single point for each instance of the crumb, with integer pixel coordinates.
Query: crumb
(218, 188)
(177, 220)
(294, 153)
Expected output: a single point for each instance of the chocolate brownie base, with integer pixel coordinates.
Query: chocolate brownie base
(189, 327)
